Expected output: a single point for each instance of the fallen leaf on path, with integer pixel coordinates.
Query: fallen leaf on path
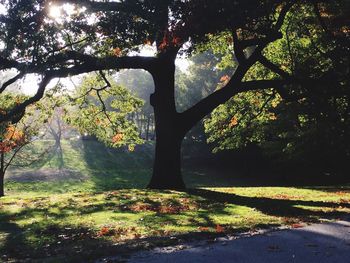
(297, 225)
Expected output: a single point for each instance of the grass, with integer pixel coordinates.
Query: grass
(103, 213)
(90, 166)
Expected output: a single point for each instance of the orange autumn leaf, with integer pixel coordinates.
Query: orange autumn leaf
(272, 117)
(7, 146)
(219, 229)
(117, 52)
(104, 231)
(176, 41)
(11, 139)
(117, 138)
(297, 225)
(164, 44)
(203, 229)
(224, 78)
(233, 122)
(13, 134)
(147, 42)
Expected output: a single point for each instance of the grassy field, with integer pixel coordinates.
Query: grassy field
(96, 208)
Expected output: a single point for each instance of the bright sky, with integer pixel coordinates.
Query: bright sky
(2, 9)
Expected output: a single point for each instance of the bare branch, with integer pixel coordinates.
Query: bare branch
(11, 81)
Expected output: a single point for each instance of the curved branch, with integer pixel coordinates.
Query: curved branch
(11, 81)
(20, 108)
(208, 104)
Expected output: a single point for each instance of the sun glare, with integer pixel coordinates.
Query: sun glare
(55, 11)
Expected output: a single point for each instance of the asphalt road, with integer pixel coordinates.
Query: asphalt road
(319, 243)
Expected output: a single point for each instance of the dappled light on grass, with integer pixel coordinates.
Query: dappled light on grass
(49, 226)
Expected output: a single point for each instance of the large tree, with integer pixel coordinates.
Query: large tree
(62, 38)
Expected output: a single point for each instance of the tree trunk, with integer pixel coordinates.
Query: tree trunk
(167, 163)
(147, 127)
(2, 174)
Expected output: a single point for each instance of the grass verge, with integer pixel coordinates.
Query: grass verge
(84, 226)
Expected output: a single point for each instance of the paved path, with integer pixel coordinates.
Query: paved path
(327, 242)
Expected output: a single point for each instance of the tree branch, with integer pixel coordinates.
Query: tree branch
(20, 108)
(238, 48)
(88, 64)
(273, 67)
(208, 104)
(11, 81)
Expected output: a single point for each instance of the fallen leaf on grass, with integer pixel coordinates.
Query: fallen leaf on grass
(104, 231)
(219, 229)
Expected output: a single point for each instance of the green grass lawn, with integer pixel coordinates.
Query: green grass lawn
(104, 212)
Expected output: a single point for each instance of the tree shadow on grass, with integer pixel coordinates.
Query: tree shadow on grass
(276, 207)
(115, 168)
(54, 242)
(56, 237)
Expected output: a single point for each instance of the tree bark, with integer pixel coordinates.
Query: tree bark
(169, 136)
(2, 174)
(167, 165)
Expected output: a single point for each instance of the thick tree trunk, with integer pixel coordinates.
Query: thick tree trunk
(167, 163)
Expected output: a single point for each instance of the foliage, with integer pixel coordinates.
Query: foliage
(102, 108)
(306, 121)
(244, 120)
(15, 136)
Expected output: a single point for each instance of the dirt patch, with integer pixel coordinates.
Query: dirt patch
(44, 175)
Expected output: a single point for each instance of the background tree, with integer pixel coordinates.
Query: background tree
(14, 138)
(140, 84)
(101, 108)
(103, 35)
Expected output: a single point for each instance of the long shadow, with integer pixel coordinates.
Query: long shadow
(71, 243)
(115, 168)
(275, 207)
